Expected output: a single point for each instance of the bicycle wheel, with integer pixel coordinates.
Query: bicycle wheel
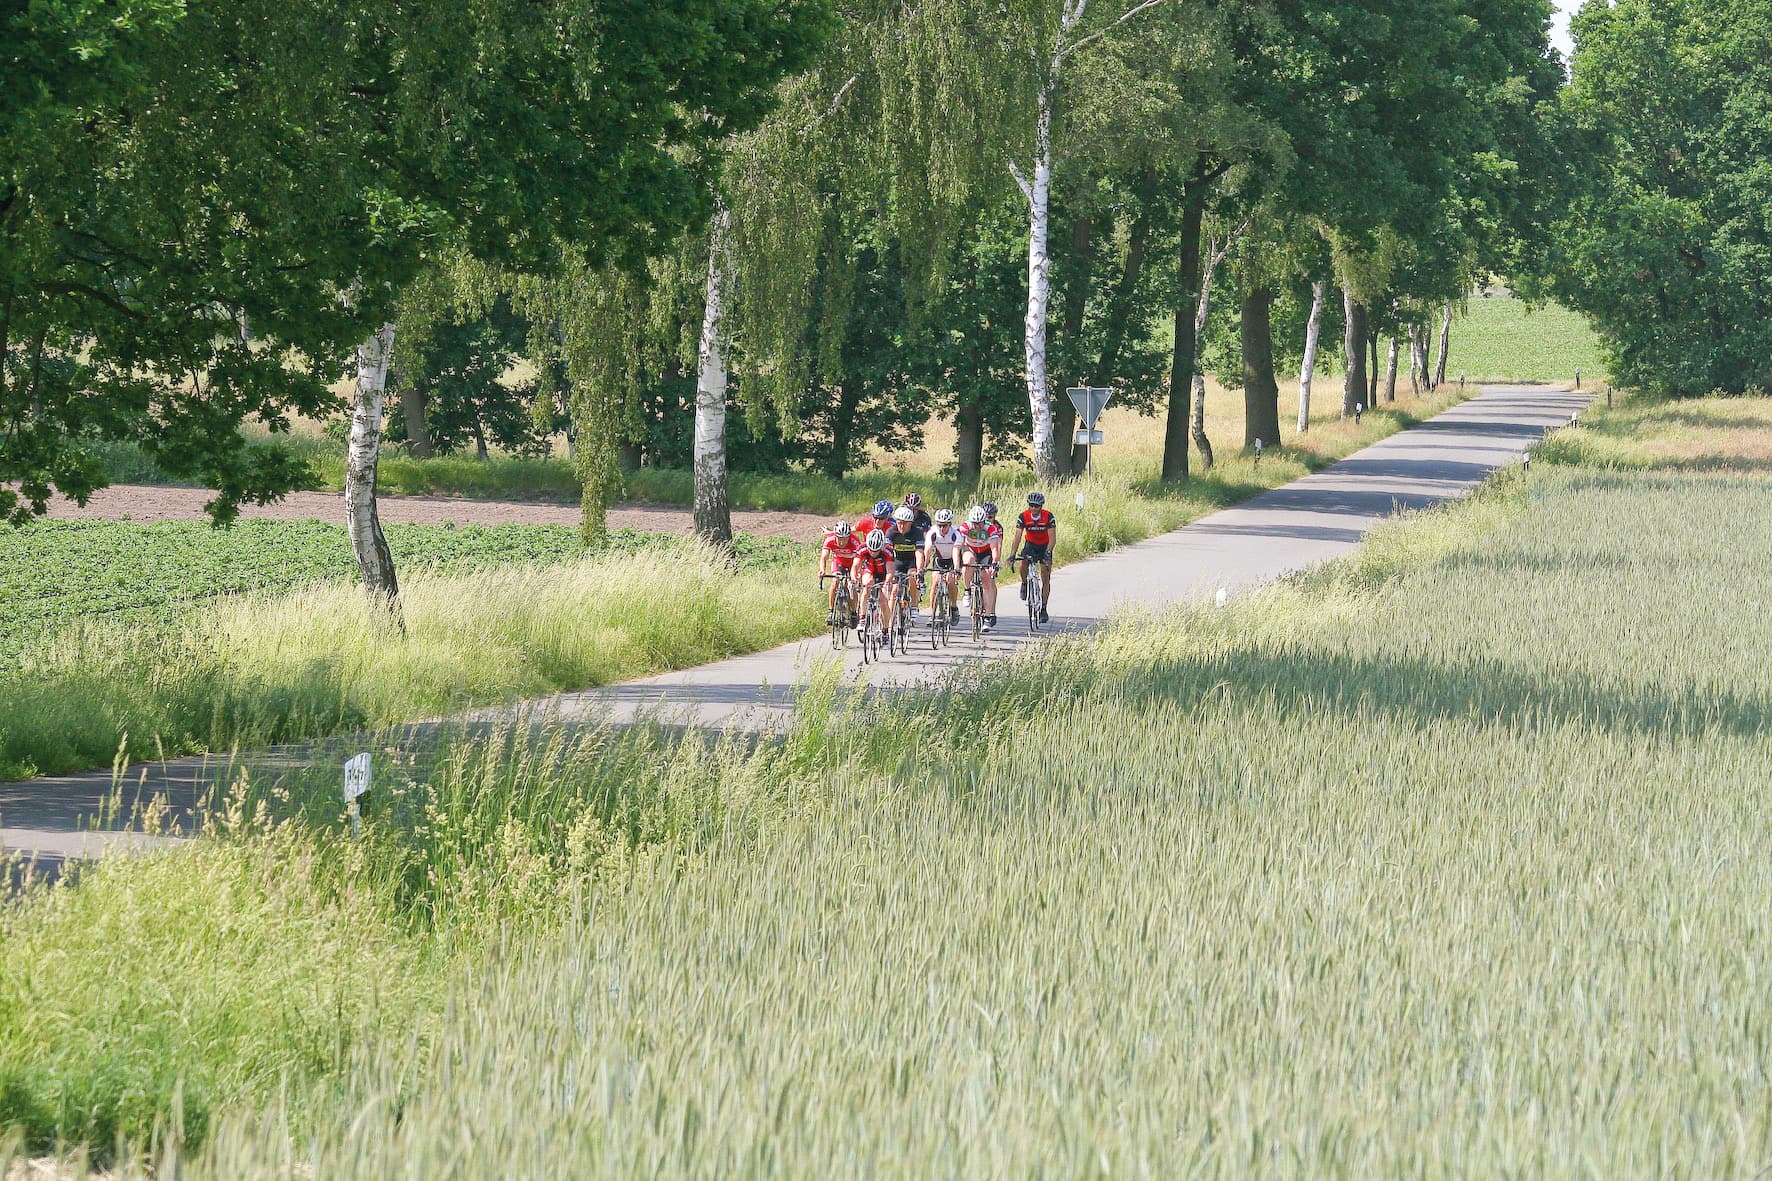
(975, 608)
(1033, 580)
(870, 630)
(938, 615)
(840, 620)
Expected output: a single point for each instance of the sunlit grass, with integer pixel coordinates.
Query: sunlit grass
(1448, 859)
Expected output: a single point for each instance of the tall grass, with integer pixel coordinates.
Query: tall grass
(265, 668)
(1448, 860)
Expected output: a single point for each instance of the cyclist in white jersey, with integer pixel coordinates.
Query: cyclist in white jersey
(942, 544)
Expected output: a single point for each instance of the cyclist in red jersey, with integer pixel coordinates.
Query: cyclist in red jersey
(880, 518)
(836, 557)
(982, 546)
(1040, 530)
(871, 567)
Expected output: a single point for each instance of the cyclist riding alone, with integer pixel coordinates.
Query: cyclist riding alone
(905, 541)
(872, 563)
(983, 546)
(1040, 530)
(880, 518)
(922, 520)
(942, 555)
(836, 557)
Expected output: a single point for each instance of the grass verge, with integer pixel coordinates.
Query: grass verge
(269, 667)
(1448, 858)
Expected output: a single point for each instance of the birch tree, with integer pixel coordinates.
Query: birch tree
(363, 452)
(1051, 53)
(1307, 368)
(713, 514)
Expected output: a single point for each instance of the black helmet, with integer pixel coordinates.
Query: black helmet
(1036, 499)
(990, 507)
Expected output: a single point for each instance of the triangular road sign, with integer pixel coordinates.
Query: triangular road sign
(1090, 401)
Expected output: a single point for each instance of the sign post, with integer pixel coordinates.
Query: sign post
(1090, 401)
(356, 783)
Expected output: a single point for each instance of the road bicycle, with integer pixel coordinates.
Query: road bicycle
(900, 639)
(871, 622)
(975, 599)
(842, 619)
(1035, 592)
(938, 614)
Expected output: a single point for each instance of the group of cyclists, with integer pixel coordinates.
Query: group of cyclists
(900, 544)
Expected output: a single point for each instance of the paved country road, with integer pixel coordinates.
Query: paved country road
(1304, 523)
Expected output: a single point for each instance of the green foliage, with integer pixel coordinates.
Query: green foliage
(1663, 236)
(242, 188)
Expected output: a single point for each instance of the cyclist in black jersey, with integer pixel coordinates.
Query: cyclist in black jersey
(905, 541)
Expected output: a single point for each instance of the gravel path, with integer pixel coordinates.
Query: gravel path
(1309, 521)
(144, 502)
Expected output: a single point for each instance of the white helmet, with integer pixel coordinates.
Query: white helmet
(876, 540)
(904, 516)
(842, 529)
(944, 516)
(977, 516)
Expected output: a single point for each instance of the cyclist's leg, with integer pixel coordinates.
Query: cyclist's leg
(988, 580)
(1046, 581)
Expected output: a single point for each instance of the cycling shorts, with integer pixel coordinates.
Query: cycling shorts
(1040, 554)
(942, 565)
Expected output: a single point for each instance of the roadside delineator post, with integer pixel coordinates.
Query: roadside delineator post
(356, 783)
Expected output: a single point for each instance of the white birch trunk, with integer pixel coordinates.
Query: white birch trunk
(1313, 330)
(362, 456)
(1038, 190)
(1215, 253)
(713, 513)
(1445, 344)
(1390, 372)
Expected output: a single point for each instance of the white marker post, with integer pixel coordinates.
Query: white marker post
(1090, 401)
(356, 783)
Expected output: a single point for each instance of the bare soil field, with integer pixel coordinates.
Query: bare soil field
(146, 503)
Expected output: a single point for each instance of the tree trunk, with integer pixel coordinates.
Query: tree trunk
(1372, 371)
(1445, 344)
(1038, 191)
(363, 453)
(1313, 331)
(1076, 302)
(1197, 422)
(1418, 371)
(969, 443)
(629, 455)
(713, 515)
(1390, 372)
(1261, 392)
(481, 452)
(418, 433)
(843, 428)
(1181, 360)
(1353, 382)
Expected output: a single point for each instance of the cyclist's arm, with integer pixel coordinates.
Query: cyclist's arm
(1052, 542)
(1015, 546)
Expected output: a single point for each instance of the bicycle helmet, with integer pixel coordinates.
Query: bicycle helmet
(904, 516)
(977, 516)
(876, 541)
(882, 508)
(990, 508)
(944, 516)
(913, 500)
(842, 529)
(1036, 499)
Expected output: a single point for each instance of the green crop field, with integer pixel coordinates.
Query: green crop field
(1447, 860)
(1498, 338)
(54, 573)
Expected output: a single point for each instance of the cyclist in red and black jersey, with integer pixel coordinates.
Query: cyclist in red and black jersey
(1039, 528)
(871, 566)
